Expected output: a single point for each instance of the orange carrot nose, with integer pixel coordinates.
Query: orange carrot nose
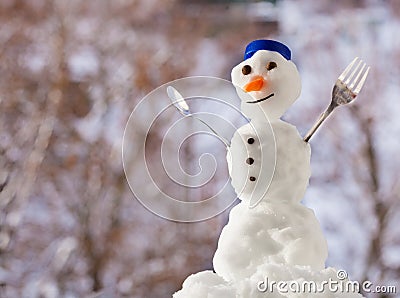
(254, 85)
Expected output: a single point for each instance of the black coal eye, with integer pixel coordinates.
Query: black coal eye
(271, 65)
(246, 69)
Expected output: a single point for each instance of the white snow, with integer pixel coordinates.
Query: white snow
(210, 285)
(278, 233)
(273, 242)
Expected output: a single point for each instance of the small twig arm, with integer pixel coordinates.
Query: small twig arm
(345, 90)
(179, 102)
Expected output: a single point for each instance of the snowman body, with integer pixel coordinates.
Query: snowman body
(278, 229)
(269, 161)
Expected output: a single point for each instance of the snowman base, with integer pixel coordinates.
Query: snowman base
(261, 247)
(271, 233)
(270, 280)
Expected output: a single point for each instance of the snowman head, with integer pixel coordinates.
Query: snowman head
(267, 81)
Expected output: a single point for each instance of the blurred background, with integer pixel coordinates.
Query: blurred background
(72, 71)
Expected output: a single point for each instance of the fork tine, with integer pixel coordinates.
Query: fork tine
(351, 86)
(347, 70)
(362, 81)
(353, 73)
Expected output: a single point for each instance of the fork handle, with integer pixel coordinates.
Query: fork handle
(321, 119)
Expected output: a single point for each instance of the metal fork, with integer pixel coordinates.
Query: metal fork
(346, 88)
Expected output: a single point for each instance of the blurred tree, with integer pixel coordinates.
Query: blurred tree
(72, 71)
(69, 224)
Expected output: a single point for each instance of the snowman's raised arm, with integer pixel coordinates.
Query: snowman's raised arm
(345, 90)
(179, 102)
(318, 123)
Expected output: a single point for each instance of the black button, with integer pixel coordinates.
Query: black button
(252, 178)
(250, 140)
(250, 161)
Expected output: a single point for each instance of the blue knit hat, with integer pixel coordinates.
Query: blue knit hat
(269, 45)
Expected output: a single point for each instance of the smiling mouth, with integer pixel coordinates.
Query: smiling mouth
(262, 99)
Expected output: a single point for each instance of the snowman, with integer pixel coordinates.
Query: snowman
(270, 233)
(283, 230)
